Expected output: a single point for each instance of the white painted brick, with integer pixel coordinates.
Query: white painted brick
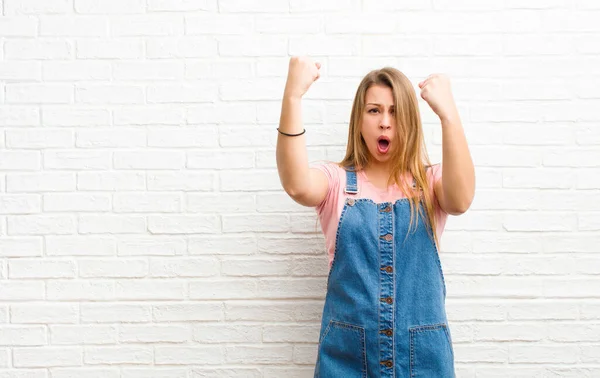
(21, 291)
(142, 71)
(360, 23)
(477, 45)
(291, 245)
(109, 6)
(543, 353)
(326, 5)
(21, 247)
(183, 224)
(226, 245)
(74, 246)
(111, 181)
(293, 24)
(118, 137)
(288, 288)
(291, 333)
(228, 113)
(76, 160)
(118, 355)
(76, 202)
(305, 354)
(147, 203)
(262, 354)
(189, 355)
(32, 357)
(235, 68)
(44, 313)
(34, 7)
(215, 159)
(336, 45)
(253, 46)
(291, 372)
(17, 336)
(274, 311)
(150, 290)
(249, 181)
(19, 115)
(73, 26)
(151, 246)
(35, 93)
(20, 204)
(110, 313)
(181, 180)
(18, 160)
(18, 26)
(146, 25)
(74, 116)
(237, 6)
(207, 203)
(256, 268)
(104, 224)
(547, 178)
(256, 223)
(88, 372)
(482, 353)
(494, 286)
(152, 115)
(71, 290)
(183, 47)
(114, 48)
(181, 5)
(243, 333)
(187, 93)
(149, 160)
(219, 23)
(38, 49)
(25, 268)
(82, 334)
(547, 310)
(279, 203)
(109, 94)
(75, 70)
(112, 268)
(190, 311)
(153, 334)
(39, 138)
(154, 371)
(41, 225)
(548, 221)
(238, 289)
(188, 267)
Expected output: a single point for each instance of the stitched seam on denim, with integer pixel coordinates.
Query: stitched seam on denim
(337, 240)
(428, 327)
(393, 294)
(447, 331)
(412, 353)
(364, 353)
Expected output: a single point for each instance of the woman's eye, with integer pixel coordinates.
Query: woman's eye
(373, 110)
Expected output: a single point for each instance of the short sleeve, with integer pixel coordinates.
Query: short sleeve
(333, 178)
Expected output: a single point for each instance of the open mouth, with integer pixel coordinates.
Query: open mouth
(383, 144)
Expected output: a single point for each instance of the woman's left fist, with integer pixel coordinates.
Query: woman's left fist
(436, 91)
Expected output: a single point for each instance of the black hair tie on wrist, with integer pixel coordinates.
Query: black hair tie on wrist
(292, 135)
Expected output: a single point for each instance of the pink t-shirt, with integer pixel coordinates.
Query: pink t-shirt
(330, 210)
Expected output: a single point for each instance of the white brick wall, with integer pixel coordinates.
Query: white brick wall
(143, 228)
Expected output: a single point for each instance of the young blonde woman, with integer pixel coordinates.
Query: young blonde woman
(382, 210)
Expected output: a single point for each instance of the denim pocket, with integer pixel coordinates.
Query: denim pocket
(431, 353)
(342, 351)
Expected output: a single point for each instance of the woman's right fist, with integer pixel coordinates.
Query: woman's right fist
(301, 74)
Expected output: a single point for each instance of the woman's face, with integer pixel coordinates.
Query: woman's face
(378, 127)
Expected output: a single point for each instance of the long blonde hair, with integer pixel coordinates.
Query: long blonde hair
(410, 155)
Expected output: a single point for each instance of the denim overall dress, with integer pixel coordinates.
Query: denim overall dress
(384, 313)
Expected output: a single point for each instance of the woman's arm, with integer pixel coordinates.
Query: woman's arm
(306, 186)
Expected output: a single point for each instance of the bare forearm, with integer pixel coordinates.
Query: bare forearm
(458, 173)
(292, 158)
